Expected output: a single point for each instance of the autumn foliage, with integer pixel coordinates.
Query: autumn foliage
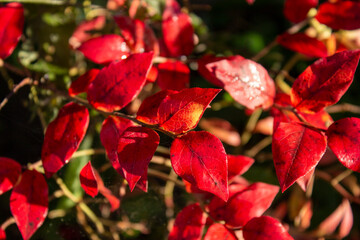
(138, 102)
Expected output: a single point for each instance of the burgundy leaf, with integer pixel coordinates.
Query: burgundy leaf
(238, 165)
(297, 10)
(119, 83)
(340, 15)
(177, 30)
(29, 202)
(11, 27)
(114, 201)
(246, 81)
(200, 158)
(344, 139)
(189, 224)
(297, 149)
(324, 82)
(81, 33)
(173, 75)
(219, 232)
(139, 36)
(265, 228)
(10, 171)
(122, 141)
(176, 112)
(88, 180)
(63, 137)
(303, 44)
(105, 49)
(81, 84)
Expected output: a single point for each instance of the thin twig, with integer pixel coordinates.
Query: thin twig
(345, 107)
(250, 126)
(161, 175)
(7, 223)
(24, 82)
(252, 152)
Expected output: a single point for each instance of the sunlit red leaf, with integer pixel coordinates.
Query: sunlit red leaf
(200, 158)
(63, 137)
(176, 112)
(81, 84)
(297, 149)
(340, 15)
(139, 36)
(344, 139)
(152, 74)
(119, 83)
(10, 171)
(324, 82)
(173, 75)
(303, 44)
(246, 81)
(319, 119)
(189, 224)
(11, 27)
(88, 180)
(122, 141)
(219, 232)
(81, 33)
(238, 164)
(297, 10)
(114, 201)
(208, 73)
(177, 30)
(265, 228)
(342, 216)
(29, 202)
(105, 49)
(221, 129)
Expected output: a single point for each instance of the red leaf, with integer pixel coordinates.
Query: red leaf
(81, 84)
(304, 181)
(176, 112)
(173, 75)
(207, 73)
(29, 202)
(139, 36)
(152, 74)
(2, 234)
(238, 165)
(297, 10)
(340, 15)
(88, 180)
(344, 138)
(189, 224)
(246, 81)
(247, 203)
(222, 129)
(341, 216)
(122, 141)
(303, 44)
(142, 184)
(320, 119)
(119, 83)
(63, 137)
(250, 2)
(219, 232)
(11, 27)
(324, 82)
(265, 126)
(105, 49)
(297, 149)
(265, 228)
(200, 158)
(114, 201)
(10, 171)
(178, 33)
(81, 33)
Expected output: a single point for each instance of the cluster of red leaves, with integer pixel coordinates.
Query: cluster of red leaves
(301, 126)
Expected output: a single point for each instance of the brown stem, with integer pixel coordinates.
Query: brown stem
(161, 175)
(24, 82)
(345, 107)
